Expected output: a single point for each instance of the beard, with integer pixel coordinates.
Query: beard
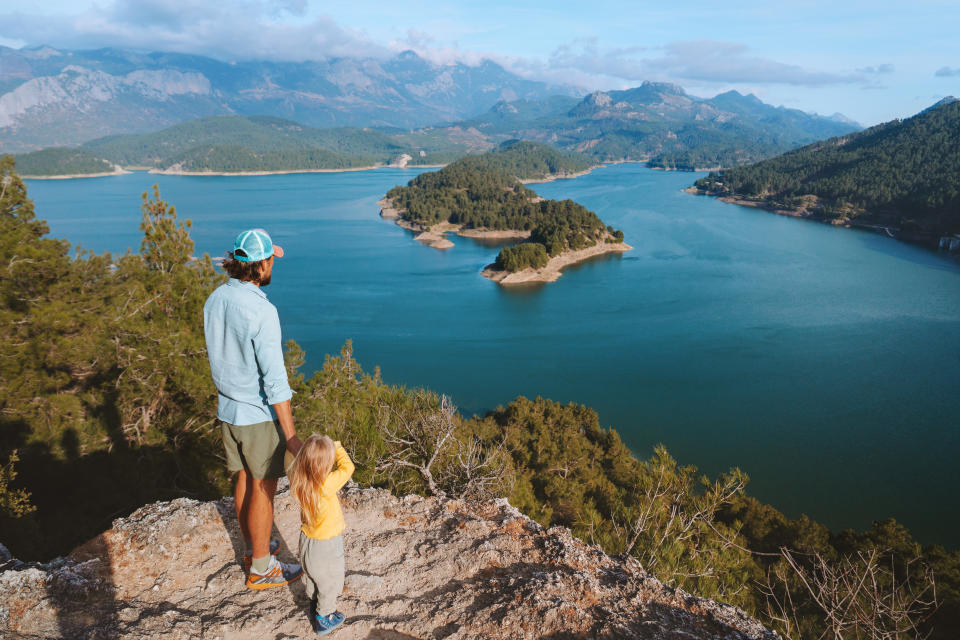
(266, 280)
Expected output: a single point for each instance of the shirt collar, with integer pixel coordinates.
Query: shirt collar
(247, 286)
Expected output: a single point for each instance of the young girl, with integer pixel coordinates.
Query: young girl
(315, 484)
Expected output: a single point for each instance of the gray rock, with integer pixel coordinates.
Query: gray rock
(416, 568)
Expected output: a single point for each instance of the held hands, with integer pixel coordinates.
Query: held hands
(294, 444)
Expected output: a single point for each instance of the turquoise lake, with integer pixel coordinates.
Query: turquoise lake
(823, 362)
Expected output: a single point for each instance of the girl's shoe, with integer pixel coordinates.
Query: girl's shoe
(248, 559)
(326, 624)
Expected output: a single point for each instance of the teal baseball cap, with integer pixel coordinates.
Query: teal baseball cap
(254, 245)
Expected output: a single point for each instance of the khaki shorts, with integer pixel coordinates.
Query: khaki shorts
(258, 448)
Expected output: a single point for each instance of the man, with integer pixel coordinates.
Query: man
(246, 361)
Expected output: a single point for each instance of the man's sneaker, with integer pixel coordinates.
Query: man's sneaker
(326, 624)
(248, 559)
(276, 575)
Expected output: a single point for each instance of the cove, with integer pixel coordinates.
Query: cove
(823, 362)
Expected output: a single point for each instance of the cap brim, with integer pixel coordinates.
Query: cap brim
(277, 251)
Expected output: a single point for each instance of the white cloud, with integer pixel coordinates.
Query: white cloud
(708, 61)
(282, 30)
(13, 43)
(879, 69)
(947, 72)
(244, 29)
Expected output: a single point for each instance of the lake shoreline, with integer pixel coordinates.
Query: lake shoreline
(555, 266)
(927, 240)
(435, 235)
(70, 176)
(561, 176)
(282, 172)
(372, 167)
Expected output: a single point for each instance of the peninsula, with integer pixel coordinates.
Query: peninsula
(897, 178)
(483, 196)
(63, 163)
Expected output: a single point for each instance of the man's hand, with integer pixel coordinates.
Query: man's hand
(294, 445)
(285, 418)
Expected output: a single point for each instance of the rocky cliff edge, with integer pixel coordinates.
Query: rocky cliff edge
(417, 568)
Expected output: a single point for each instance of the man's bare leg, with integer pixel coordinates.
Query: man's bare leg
(254, 504)
(240, 490)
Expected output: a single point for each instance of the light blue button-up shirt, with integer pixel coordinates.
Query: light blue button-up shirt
(246, 353)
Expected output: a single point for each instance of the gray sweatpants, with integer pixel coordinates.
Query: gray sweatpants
(323, 569)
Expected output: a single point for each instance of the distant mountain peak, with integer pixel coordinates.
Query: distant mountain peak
(839, 117)
(599, 99)
(941, 102)
(663, 87)
(733, 94)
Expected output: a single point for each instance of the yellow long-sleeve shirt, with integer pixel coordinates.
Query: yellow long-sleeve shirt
(329, 517)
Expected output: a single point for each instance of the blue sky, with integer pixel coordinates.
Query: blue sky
(872, 61)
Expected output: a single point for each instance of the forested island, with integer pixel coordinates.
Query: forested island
(107, 405)
(899, 178)
(483, 196)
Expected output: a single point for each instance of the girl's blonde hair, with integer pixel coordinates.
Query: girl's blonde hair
(307, 472)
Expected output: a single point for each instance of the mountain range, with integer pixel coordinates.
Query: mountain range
(662, 124)
(50, 97)
(66, 98)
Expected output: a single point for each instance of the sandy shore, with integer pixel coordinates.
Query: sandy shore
(177, 172)
(793, 213)
(436, 236)
(174, 172)
(694, 170)
(555, 266)
(561, 176)
(69, 176)
(757, 204)
(493, 234)
(638, 161)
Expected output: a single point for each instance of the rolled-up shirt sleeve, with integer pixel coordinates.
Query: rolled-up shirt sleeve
(268, 347)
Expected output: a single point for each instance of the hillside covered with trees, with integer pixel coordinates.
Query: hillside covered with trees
(254, 143)
(62, 161)
(901, 174)
(484, 192)
(106, 404)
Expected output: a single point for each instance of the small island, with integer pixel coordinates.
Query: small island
(483, 196)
